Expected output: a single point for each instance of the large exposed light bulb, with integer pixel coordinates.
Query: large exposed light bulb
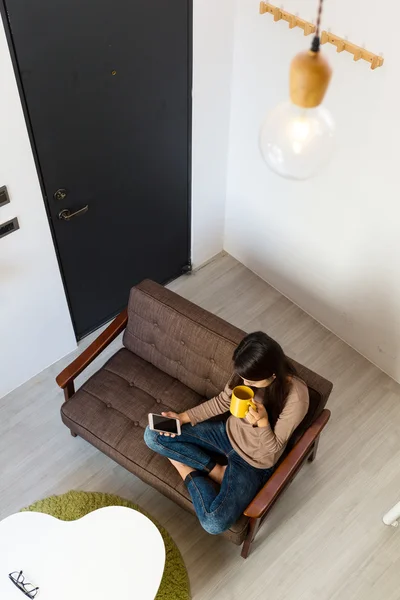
(297, 142)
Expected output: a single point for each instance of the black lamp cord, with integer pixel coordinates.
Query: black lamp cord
(316, 41)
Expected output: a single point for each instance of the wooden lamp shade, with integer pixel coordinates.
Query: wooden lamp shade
(310, 75)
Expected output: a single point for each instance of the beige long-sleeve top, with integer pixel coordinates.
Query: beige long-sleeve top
(261, 447)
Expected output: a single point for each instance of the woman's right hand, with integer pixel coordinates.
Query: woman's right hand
(182, 418)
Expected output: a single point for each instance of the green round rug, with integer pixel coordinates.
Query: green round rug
(74, 505)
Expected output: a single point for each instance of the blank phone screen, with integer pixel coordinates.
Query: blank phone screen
(164, 424)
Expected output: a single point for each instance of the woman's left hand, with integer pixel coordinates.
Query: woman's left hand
(255, 415)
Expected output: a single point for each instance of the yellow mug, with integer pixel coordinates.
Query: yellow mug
(242, 399)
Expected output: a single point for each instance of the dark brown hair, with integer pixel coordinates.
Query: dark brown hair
(260, 357)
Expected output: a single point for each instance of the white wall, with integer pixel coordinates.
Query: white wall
(331, 244)
(35, 326)
(212, 68)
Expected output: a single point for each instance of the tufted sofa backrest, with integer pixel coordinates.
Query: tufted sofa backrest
(180, 338)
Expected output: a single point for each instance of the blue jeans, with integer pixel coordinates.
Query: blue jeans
(217, 508)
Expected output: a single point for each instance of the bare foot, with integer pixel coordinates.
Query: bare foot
(182, 469)
(218, 472)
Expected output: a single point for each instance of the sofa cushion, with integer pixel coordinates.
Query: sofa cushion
(319, 390)
(181, 339)
(111, 412)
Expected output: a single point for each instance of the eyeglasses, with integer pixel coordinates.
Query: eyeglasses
(18, 579)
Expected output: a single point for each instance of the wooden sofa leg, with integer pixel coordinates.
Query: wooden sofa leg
(69, 391)
(314, 451)
(73, 433)
(251, 534)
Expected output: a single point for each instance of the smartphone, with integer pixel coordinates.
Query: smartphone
(164, 424)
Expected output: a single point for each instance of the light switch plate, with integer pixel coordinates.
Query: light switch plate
(9, 227)
(4, 197)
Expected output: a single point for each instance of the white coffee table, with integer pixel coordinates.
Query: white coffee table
(112, 553)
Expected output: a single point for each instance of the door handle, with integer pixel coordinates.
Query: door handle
(66, 214)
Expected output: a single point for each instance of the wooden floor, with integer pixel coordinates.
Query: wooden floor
(323, 540)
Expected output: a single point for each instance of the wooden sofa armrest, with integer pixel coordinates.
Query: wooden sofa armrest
(287, 469)
(67, 376)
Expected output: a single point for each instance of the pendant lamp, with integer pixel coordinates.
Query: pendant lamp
(297, 137)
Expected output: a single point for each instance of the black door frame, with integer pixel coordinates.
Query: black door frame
(25, 109)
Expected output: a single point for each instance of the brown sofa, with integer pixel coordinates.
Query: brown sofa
(175, 356)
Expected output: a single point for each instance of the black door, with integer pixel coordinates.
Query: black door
(107, 86)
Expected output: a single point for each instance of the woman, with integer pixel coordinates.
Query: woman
(252, 445)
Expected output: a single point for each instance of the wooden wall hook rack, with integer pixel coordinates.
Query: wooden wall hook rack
(341, 44)
(282, 15)
(357, 52)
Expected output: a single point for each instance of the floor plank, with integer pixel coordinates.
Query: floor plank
(324, 540)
